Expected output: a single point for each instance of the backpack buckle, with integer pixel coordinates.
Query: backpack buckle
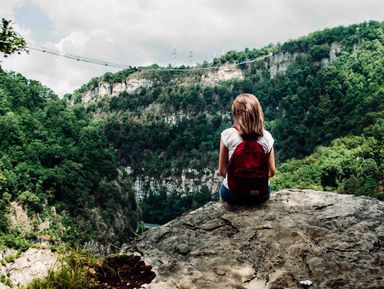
(254, 193)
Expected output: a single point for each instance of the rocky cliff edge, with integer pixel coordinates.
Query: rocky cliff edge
(331, 240)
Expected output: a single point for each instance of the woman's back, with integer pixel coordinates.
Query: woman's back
(231, 139)
(249, 123)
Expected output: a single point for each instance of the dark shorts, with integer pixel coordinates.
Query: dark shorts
(227, 196)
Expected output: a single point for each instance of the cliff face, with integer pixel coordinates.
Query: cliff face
(278, 63)
(190, 180)
(130, 85)
(225, 72)
(333, 240)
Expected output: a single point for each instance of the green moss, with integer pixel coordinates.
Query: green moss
(5, 280)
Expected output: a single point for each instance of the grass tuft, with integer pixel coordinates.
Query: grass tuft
(72, 274)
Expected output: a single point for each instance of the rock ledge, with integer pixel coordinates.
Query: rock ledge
(333, 240)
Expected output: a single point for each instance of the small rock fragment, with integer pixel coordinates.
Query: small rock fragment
(306, 283)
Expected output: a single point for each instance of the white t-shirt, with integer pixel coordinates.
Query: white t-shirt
(231, 139)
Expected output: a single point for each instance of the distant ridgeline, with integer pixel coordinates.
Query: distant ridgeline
(59, 177)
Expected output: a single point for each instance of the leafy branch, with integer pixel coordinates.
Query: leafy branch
(10, 40)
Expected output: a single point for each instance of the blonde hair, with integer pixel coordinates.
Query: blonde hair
(248, 114)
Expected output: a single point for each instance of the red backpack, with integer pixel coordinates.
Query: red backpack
(248, 169)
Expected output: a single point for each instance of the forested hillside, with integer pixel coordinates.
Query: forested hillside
(322, 89)
(59, 177)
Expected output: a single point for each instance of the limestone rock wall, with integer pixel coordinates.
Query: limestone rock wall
(225, 72)
(278, 63)
(190, 180)
(131, 85)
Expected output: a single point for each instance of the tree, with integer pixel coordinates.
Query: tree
(10, 40)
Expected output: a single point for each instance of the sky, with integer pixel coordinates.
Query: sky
(143, 32)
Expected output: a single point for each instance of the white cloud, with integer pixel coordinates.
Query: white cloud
(7, 7)
(141, 32)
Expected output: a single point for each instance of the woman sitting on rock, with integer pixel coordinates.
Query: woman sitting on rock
(247, 158)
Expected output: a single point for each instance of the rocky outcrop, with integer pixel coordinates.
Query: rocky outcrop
(334, 50)
(331, 240)
(131, 85)
(190, 180)
(278, 63)
(31, 264)
(224, 72)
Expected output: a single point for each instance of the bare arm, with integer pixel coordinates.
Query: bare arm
(271, 163)
(223, 159)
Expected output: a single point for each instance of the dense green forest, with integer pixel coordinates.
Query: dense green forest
(57, 164)
(337, 105)
(352, 164)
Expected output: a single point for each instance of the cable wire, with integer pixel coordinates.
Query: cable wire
(78, 58)
(117, 65)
